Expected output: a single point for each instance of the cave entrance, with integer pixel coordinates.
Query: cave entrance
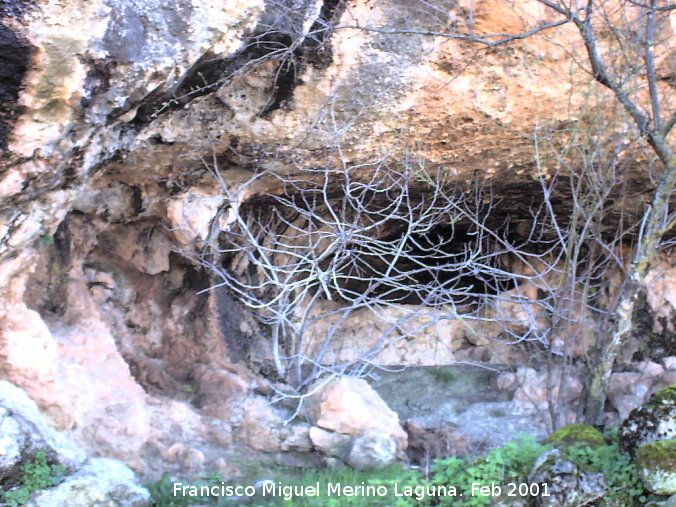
(447, 264)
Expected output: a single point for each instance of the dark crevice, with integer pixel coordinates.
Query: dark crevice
(97, 80)
(206, 75)
(137, 200)
(210, 71)
(318, 48)
(15, 55)
(62, 240)
(230, 317)
(445, 270)
(70, 176)
(315, 50)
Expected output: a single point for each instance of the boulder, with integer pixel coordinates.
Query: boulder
(630, 389)
(655, 462)
(568, 484)
(350, 406)
(102, 482)
(531, 390)
(24, 431)
(352, 422)
(656, 420)
(372, 450)
(670, 502)
(257, 423)
(330, 442)
(573, 433)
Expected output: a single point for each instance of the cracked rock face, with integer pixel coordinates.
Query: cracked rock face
(113, 116)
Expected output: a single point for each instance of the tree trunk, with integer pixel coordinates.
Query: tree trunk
(623, 323)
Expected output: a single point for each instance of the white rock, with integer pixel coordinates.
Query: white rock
(350, 406)
(372, 450)
(101, 482)
(21, 422)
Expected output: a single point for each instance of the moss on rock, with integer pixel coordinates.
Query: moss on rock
(656, 463)
(574, 433)
(666, 395)
(651, 422)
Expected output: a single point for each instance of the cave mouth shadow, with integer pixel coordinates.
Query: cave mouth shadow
(436, 269)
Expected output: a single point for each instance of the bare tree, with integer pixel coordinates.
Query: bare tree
(378, 235)
(374, 238)
(622, 39)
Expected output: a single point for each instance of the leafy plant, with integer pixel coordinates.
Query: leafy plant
(623, 484)
(509, 463)
(162, 491)
(37, 475)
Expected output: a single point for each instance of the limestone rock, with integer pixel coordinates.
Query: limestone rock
(573, 433)
(103, 482)
(419, 339)
(372, 450)
(629, 389)
(656, 420)
(260, 425)
(670, 502)
(330, 442)
(531, 390)
(568, 484)
(24, 431)
(350, 406)
(296, 438)
(656, 463)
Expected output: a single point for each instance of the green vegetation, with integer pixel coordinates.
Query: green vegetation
(510, 463)
(623, 483)
(187, 388)
(657, 454)
(162, 490)
(576, 433)
(655, 462)
(37, 475)
(665, 396)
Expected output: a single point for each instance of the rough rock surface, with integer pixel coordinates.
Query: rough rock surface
(655, 462)
(568, 484)
(24, 431)
(103, 482)
(349, 407)
(372, 450)
(656, 420)
(634, 386)
(114, 113)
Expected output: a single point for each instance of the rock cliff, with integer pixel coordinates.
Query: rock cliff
(114, 115)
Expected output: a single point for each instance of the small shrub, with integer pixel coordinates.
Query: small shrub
(623, 484)
(509, 463)
(37, 475)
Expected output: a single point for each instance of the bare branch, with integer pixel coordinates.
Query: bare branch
(502, 38)
(649, 58)
(668, 7)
